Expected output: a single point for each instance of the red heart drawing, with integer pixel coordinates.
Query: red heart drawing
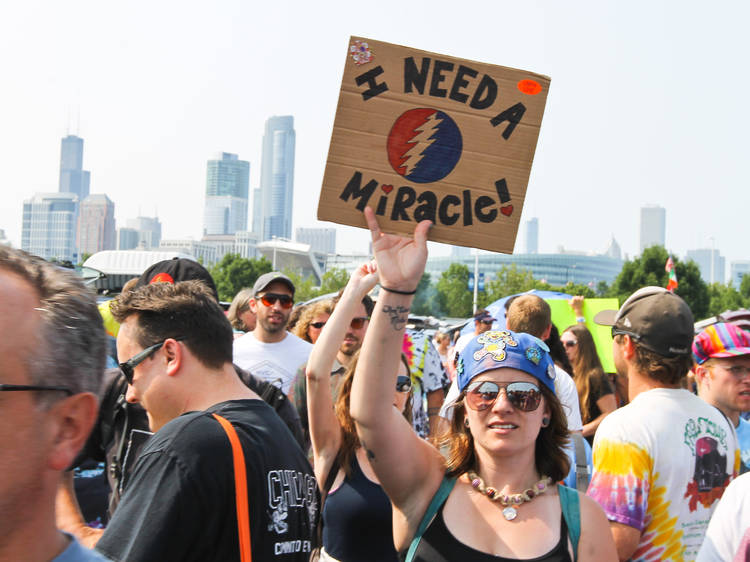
(507, 211)
(387, 188)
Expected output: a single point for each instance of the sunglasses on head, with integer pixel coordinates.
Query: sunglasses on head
(128, 367)
(570, 343)
(403, 383)
(524, 396)
(269, 299)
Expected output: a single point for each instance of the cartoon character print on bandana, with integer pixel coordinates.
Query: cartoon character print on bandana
(494, 344)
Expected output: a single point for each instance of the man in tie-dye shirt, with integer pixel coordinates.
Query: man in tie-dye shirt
(662, 462)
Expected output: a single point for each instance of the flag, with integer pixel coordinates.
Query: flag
(672, 282)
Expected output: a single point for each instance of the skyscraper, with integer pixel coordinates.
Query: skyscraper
(532, 236)
(653, 226)
(96, 224)
(277, 179)
(49, 225)
(321, 240)
(227, 180)
(149, 231)
(710, 272)
(73, 178)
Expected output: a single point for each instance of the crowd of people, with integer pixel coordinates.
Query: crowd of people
(333, 431)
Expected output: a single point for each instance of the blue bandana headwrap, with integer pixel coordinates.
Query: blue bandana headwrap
(499, 349)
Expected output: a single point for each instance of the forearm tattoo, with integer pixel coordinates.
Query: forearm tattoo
(398, 315)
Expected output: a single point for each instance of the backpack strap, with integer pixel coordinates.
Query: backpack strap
(437, 500)
(571, 510)
(240, 489)
(582, 465)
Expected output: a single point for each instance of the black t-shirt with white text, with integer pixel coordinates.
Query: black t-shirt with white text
(180, 502)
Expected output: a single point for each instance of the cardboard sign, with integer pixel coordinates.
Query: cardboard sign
(563, 316)
(421, 135)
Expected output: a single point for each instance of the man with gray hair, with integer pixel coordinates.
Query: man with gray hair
(52, 345)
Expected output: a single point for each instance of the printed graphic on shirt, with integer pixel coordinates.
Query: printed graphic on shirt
(271, 372)
(708, 443)
(289, 489)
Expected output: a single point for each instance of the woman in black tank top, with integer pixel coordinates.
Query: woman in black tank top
(491, 494)
(357, 520)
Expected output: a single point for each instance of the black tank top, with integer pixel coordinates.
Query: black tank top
(439, 545)
(357, 521)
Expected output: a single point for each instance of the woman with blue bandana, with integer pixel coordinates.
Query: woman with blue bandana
(492, 494)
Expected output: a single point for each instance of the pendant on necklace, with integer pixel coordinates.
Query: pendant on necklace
(510, 513)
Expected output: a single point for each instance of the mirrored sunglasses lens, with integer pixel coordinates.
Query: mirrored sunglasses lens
(483, 396)
(524, 396)
(403, 383)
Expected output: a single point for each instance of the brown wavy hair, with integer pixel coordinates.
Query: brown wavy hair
(665, 370)
(550, 458)
(586, 366)
(349, 438)
(311, 311)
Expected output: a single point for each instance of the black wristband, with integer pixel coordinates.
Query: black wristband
(398, 292)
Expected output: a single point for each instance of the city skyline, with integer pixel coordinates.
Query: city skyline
(625, 124)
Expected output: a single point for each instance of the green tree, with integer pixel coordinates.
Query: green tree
(722, 298)
(333, 280)
(648, 269)
(304, 287)
(234, 273)
(453, 296)
(576, 289)
(425, 301)
(745, 290)
(510, 280)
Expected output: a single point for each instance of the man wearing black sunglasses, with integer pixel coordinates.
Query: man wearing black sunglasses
(270, 352)
(52, 350)
(175, 348)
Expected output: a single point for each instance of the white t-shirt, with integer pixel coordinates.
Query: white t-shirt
(729, 523)
(660, 465)
(274, 362)
(565, 390)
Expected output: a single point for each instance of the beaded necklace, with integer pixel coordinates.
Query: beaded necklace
(509, 501)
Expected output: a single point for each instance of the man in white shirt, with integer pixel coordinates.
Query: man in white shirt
(270, 352)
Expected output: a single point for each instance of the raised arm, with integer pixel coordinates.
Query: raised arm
(325, 431)
(409, 469)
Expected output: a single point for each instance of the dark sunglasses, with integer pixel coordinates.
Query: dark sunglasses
(487, 322)
(403, 383)
(317, 325)
(570, 343)
(269, 299)
(524, 396)
(128, 367)
(359, 322)
(30, 387)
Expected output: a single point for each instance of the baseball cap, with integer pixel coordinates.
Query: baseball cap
(267, 278)
(483, 316)
(720, 340)
(176, 270)
(505, 349)
(656, 319)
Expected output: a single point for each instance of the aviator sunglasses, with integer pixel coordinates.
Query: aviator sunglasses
(524, 396)
(269, 299)
(356, 324)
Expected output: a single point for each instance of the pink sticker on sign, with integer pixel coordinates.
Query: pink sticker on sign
(360, 52)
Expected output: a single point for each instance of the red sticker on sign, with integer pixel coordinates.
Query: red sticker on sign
(529, 87)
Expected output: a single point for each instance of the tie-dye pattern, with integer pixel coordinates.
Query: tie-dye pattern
(655, 469)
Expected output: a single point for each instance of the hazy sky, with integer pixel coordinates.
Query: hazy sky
(647, 103)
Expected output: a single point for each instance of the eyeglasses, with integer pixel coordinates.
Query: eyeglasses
(739, 372)
(269, 299)
(403, 383)
(487, 322)
(129, 366)
(30, 387)
(317, 325)
(359, 322)
(524, 396)
(569, 343)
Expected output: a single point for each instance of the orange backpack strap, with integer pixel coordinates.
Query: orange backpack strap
(240, 489)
